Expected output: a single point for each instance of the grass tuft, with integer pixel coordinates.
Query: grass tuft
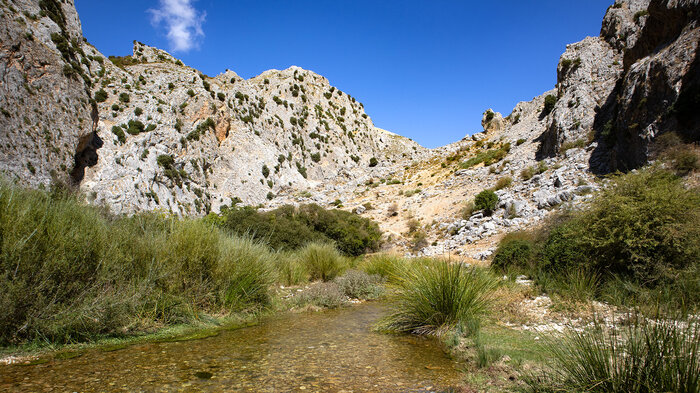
(433, 296)
(644, 356)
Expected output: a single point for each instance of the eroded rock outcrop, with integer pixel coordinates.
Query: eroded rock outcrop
(46, 69)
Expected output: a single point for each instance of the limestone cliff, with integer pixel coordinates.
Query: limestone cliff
(638, 79)
(46, 119)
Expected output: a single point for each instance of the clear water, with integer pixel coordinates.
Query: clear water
(334, 351)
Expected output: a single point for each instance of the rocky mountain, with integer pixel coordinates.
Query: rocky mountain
(179, 140)
(147, 132)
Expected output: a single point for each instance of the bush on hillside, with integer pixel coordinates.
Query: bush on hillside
(641, 233)
(486, 200)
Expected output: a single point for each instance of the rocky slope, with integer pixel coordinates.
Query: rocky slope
(178, 140)
(159, 135)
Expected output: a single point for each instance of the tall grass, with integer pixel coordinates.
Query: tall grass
(434, 295)
(71, 272)
(385, 265)
(645, 356)
(322, 261)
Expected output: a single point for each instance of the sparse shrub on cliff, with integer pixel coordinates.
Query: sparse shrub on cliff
(121, 137)
(373, 162)
(124, 97)
(549, 102)
(101, 95)
(503, 182)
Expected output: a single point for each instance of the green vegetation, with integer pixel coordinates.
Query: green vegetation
(124, 97)
(201, 129)
(636, 242)
(639, 14)
(290, 228)
(487, 157)
(486, 200)
(529, 172)
(87, 274)
(432, 296)
(373, 162)
(549, 102)
(503, 182)
(644, 356)
(101, 95)
(321, 260)
(119, 132)
(135, 127)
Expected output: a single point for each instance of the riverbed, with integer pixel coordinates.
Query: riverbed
(333, 351)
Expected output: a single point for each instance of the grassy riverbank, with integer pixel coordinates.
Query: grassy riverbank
(72, 273)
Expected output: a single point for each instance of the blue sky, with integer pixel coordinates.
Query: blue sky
(423, 69)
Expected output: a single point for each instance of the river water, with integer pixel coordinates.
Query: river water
(333, 351)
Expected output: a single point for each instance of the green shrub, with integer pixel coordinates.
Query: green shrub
(488, 157)
(322, 261)
(486, 200)
(290, 228)
(119, 132)
(165, 160)
(435, 295)
(520, 142)
(101, 95)
(190, 93)
(643, 227)
(135, 127)
(515, 251)
(549, 102)
(638, 238)
(643, 356)
(373, 162)
(124, 97)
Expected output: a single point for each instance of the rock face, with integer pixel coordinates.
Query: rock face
(634, 82)
(492, 121)
(46, 119)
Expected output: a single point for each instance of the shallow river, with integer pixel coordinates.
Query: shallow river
(334, 351)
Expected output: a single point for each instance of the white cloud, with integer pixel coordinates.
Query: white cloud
(183, 22)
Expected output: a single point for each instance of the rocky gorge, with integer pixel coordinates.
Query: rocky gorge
(147, 132)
